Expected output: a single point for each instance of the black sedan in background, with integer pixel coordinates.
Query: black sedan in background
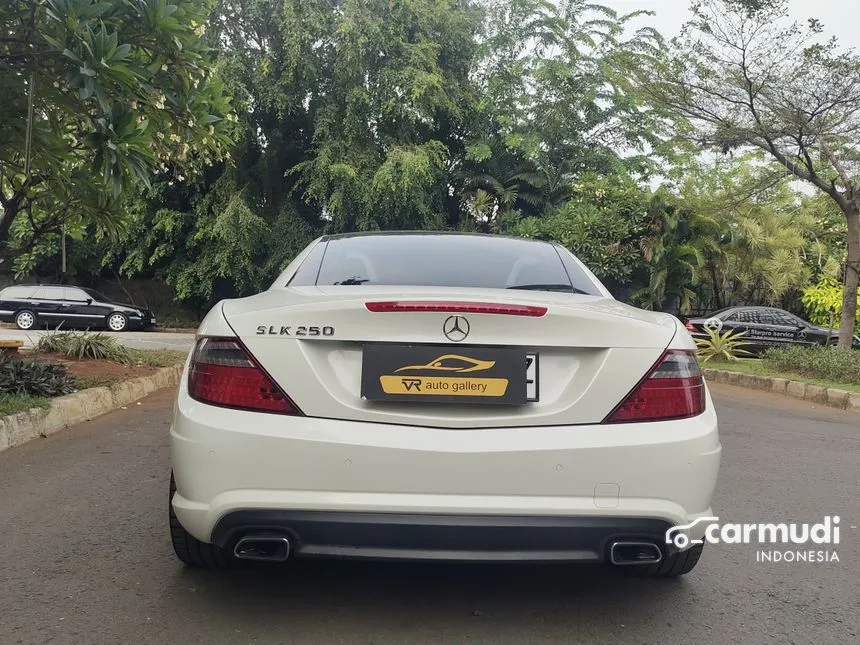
(765, 327)
(43, 305)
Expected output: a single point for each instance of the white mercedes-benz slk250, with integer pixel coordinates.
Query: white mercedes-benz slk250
(440, 397)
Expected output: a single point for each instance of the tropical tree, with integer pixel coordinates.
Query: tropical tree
(500, 185)
(759, 239)
(394, 99)
(674, 248)
(745, 79)
(97, 95)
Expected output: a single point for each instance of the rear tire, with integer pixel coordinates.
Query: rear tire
(25, 319)
(672, 565)
(191, 551)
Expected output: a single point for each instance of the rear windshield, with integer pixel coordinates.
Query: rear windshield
(443, 261)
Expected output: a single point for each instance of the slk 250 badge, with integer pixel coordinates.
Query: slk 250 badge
(289, 330)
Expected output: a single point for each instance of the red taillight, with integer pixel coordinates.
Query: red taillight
(223, 373)
(673, 389)
(690, 326)
(456, 307)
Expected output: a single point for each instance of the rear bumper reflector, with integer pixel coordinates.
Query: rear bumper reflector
(444, 306)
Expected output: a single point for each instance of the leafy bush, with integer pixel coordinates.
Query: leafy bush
(840, 365)
(81, 345)
(727, 346)
(823, 303)
(34, 378)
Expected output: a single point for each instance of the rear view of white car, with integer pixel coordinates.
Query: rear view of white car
(436, 396)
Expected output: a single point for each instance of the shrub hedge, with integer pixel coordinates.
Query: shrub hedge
(842, 365)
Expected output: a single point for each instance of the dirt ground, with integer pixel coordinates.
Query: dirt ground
(92, 370)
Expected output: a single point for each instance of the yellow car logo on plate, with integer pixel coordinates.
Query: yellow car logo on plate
(423, 384)
(451, 363)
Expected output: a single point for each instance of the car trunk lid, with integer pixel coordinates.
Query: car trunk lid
(591, 351)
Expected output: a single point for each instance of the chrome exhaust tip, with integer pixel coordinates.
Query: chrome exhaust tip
(630, 552)
(263, 548)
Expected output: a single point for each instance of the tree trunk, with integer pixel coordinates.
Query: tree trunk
(718, 300)
(852, 274)
(11, 208)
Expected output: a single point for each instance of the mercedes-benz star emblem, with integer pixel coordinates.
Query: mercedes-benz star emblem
(456, 328)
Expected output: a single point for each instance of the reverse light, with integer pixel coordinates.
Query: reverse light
(223, 373)
(672, 389)
(456, 307)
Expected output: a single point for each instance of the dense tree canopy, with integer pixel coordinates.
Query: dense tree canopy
(96, 96)
(505, 116)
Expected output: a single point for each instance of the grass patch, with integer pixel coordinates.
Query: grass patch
(13, 403)
(157, 357)
(86, 382)
(754, 366)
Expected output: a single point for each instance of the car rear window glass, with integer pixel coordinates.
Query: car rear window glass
(307, 272)
(445, 261)
(11, 293)
(49, 293)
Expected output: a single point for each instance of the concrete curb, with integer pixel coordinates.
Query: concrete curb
(829, 396)
(81, 406)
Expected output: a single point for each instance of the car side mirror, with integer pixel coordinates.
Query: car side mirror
(89, 301)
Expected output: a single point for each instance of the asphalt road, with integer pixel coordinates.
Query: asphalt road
(85, 557)
(135, 339)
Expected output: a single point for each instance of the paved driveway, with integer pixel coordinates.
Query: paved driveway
(86, 558)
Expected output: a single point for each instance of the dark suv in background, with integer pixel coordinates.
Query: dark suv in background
(42, 305)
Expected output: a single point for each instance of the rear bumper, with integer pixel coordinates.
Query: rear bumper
(471, 538)
(275, 470)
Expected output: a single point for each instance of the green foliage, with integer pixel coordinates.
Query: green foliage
(818, 362)
(674, 249)
(526, 117)
(118, 90)
(14, 403)
(34, 378)
(823, 303)
(396, 82)
(727, 346)
(601, 223)
(407, 115)
(81, 345)
(755, 235)
(743, 76)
